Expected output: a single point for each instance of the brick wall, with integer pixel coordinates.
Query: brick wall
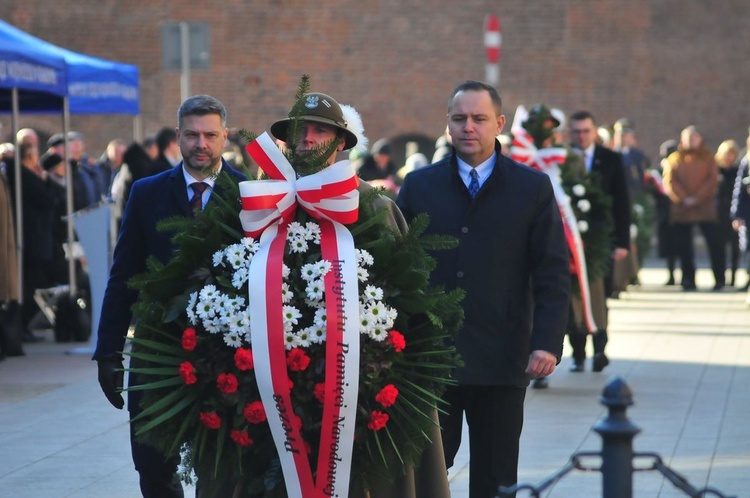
(662, 63)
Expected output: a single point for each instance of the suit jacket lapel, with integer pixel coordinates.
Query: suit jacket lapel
(177, 190)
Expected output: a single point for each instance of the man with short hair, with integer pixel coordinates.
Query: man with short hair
(201, 133)
(606, 168)
(512, 262)
(169, 151)
(109, 164)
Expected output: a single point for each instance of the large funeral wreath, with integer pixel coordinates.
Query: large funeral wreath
(193, 353)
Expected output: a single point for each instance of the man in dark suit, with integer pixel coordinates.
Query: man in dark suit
(202, 133)
(606, 167)
(512, 262)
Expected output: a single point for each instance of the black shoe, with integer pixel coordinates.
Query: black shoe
(688, 286)
(671, 280)
(540, 383)
(718, 287)
(576, 366)
(600, 361)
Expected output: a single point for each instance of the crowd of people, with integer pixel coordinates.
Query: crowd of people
(43, 203)
(689, 188)
(474, 191)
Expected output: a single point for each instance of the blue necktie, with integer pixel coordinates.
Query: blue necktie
(474, 183)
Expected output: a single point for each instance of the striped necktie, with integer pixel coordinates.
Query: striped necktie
(196, 201)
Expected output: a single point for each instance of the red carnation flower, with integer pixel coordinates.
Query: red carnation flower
(377, 420)
(387, 396)
(254, 412)
(396, 339)
(243, 358)
(227, 383)
(210, 420)
(189, 339)
(242, 438)
(320, 391)
(297, 360)
(187, 373)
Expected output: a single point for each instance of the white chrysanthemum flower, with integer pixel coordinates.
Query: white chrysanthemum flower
(373, 293)
(240, 278)
(638, 209)
(235, 255)
(317, 335)
(295, 230)
(250, 244)
(218, 258)
(304, 338)
(235, 303)
(291, 314)
(377, 309)
(221, 301)
(309, 272)
(323, 266)
(233, 339)
(362, 274)
(286, 293)
(190, 309)
(633, 231)
(213, 325)
(239, 323)
(205, 310)
(391, 314)
(364, 258)
(321, 318)
(584, 205)
(290, 340)
(366, 323)
(579, 190)
(314, 290)
(207, 293)
(314, 304)
(285, 271)
(298, 245)
(312, 232)
(583, 226)
(378, 333)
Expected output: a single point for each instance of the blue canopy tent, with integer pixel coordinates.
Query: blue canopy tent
(39, 77)
(93, 85)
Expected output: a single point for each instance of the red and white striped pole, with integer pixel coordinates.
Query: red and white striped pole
(493, 40)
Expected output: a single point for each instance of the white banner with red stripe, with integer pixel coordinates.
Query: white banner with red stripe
(331, 197)
(548, 161)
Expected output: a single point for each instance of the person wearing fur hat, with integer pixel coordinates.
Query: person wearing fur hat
(323, 120)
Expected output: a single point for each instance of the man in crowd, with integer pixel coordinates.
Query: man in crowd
(201, 133)
(513, 264)
(169, 151)
(606, 167)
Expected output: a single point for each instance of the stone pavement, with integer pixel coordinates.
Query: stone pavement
(686, 357)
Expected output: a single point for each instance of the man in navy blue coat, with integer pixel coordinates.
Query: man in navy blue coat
(202, 134)
(512, 262)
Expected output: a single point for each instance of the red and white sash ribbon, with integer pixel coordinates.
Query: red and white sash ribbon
(548, 161)
(268, 206)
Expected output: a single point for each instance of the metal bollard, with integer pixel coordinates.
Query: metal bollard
(617, 433)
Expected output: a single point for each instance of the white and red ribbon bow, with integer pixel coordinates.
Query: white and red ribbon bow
(269, 206)
(329, 194)
(548, 160)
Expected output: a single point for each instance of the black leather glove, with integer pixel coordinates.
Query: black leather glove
(110, 380)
